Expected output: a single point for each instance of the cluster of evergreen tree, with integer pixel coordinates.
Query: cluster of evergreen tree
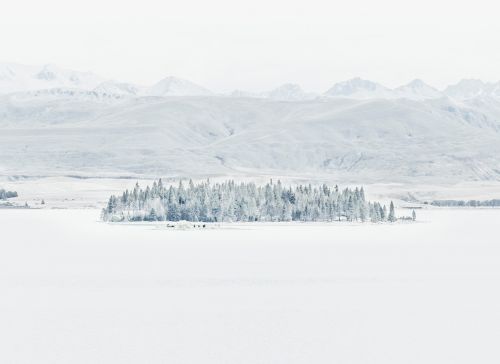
(7, 194)
(231, 201)
(470, 203)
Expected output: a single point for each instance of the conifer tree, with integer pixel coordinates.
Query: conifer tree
(392, 213)
(228, 201)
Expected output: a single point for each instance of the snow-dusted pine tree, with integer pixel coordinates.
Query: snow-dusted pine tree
(392, 213)
(229, 201)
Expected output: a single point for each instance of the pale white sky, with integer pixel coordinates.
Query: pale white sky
(255, 44)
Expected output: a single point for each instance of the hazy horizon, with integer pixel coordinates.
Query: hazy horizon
(226, 45)
(332, 83)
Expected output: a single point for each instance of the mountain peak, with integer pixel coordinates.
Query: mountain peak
(417, 90)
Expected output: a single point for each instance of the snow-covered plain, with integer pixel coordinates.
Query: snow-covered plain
(76, 290)
(76, 193)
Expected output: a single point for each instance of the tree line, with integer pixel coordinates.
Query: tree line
(231, 201)
(7, 194)
(469, 203)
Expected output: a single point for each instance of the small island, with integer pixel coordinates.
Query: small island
(230, 201)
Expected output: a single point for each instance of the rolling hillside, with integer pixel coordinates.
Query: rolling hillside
(88, 133)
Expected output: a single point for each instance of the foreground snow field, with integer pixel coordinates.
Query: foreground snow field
(75, 290)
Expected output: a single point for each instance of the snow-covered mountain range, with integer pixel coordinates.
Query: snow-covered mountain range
(18, 78)
(63, 122)
(22, 78)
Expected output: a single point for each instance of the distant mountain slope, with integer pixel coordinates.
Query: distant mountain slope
(436, 140)
(358, 88)
(172, 86)
(15, 78)
(286, 92)
(418, 90)
(118, 88)
(470, 88)
(21, 78)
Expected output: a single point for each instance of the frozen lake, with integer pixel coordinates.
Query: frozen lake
(75, 290)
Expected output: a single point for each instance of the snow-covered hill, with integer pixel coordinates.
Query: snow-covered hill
(71, 133)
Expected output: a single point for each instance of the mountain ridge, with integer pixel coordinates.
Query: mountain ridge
(23, 78)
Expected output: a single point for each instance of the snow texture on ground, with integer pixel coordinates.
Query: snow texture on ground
(75, 290)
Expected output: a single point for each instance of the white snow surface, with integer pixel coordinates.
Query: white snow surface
(75, 290)
(94, 193)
